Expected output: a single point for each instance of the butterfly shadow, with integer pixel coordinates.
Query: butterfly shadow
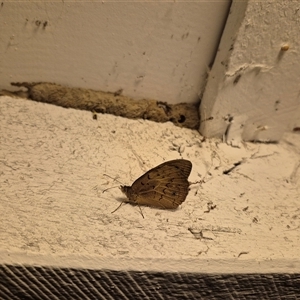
(124, 200)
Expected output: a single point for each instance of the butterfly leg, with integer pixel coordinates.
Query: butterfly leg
(118, 207)
(141, 212)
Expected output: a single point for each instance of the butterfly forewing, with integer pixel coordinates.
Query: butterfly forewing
(165, 186)
(178, 168)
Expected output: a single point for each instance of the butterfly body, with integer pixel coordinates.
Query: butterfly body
(165, 186)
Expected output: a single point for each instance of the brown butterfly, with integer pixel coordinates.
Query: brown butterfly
(165, 186)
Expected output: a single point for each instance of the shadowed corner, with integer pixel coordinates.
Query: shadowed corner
(182, 114)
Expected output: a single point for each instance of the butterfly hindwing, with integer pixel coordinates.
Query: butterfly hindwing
(164, 196)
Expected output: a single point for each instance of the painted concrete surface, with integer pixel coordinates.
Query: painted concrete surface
(253, 88)
(243, 217)
(157, 50)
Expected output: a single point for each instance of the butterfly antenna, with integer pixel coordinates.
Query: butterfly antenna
(114, 179)
(110, 188)
(118, 207)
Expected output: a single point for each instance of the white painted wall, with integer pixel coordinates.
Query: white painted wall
(159, 50)
(54, 160)
(253, 80)
(163, 50)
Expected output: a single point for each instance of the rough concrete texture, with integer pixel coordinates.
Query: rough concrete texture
(253, 85)
(244, 217)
